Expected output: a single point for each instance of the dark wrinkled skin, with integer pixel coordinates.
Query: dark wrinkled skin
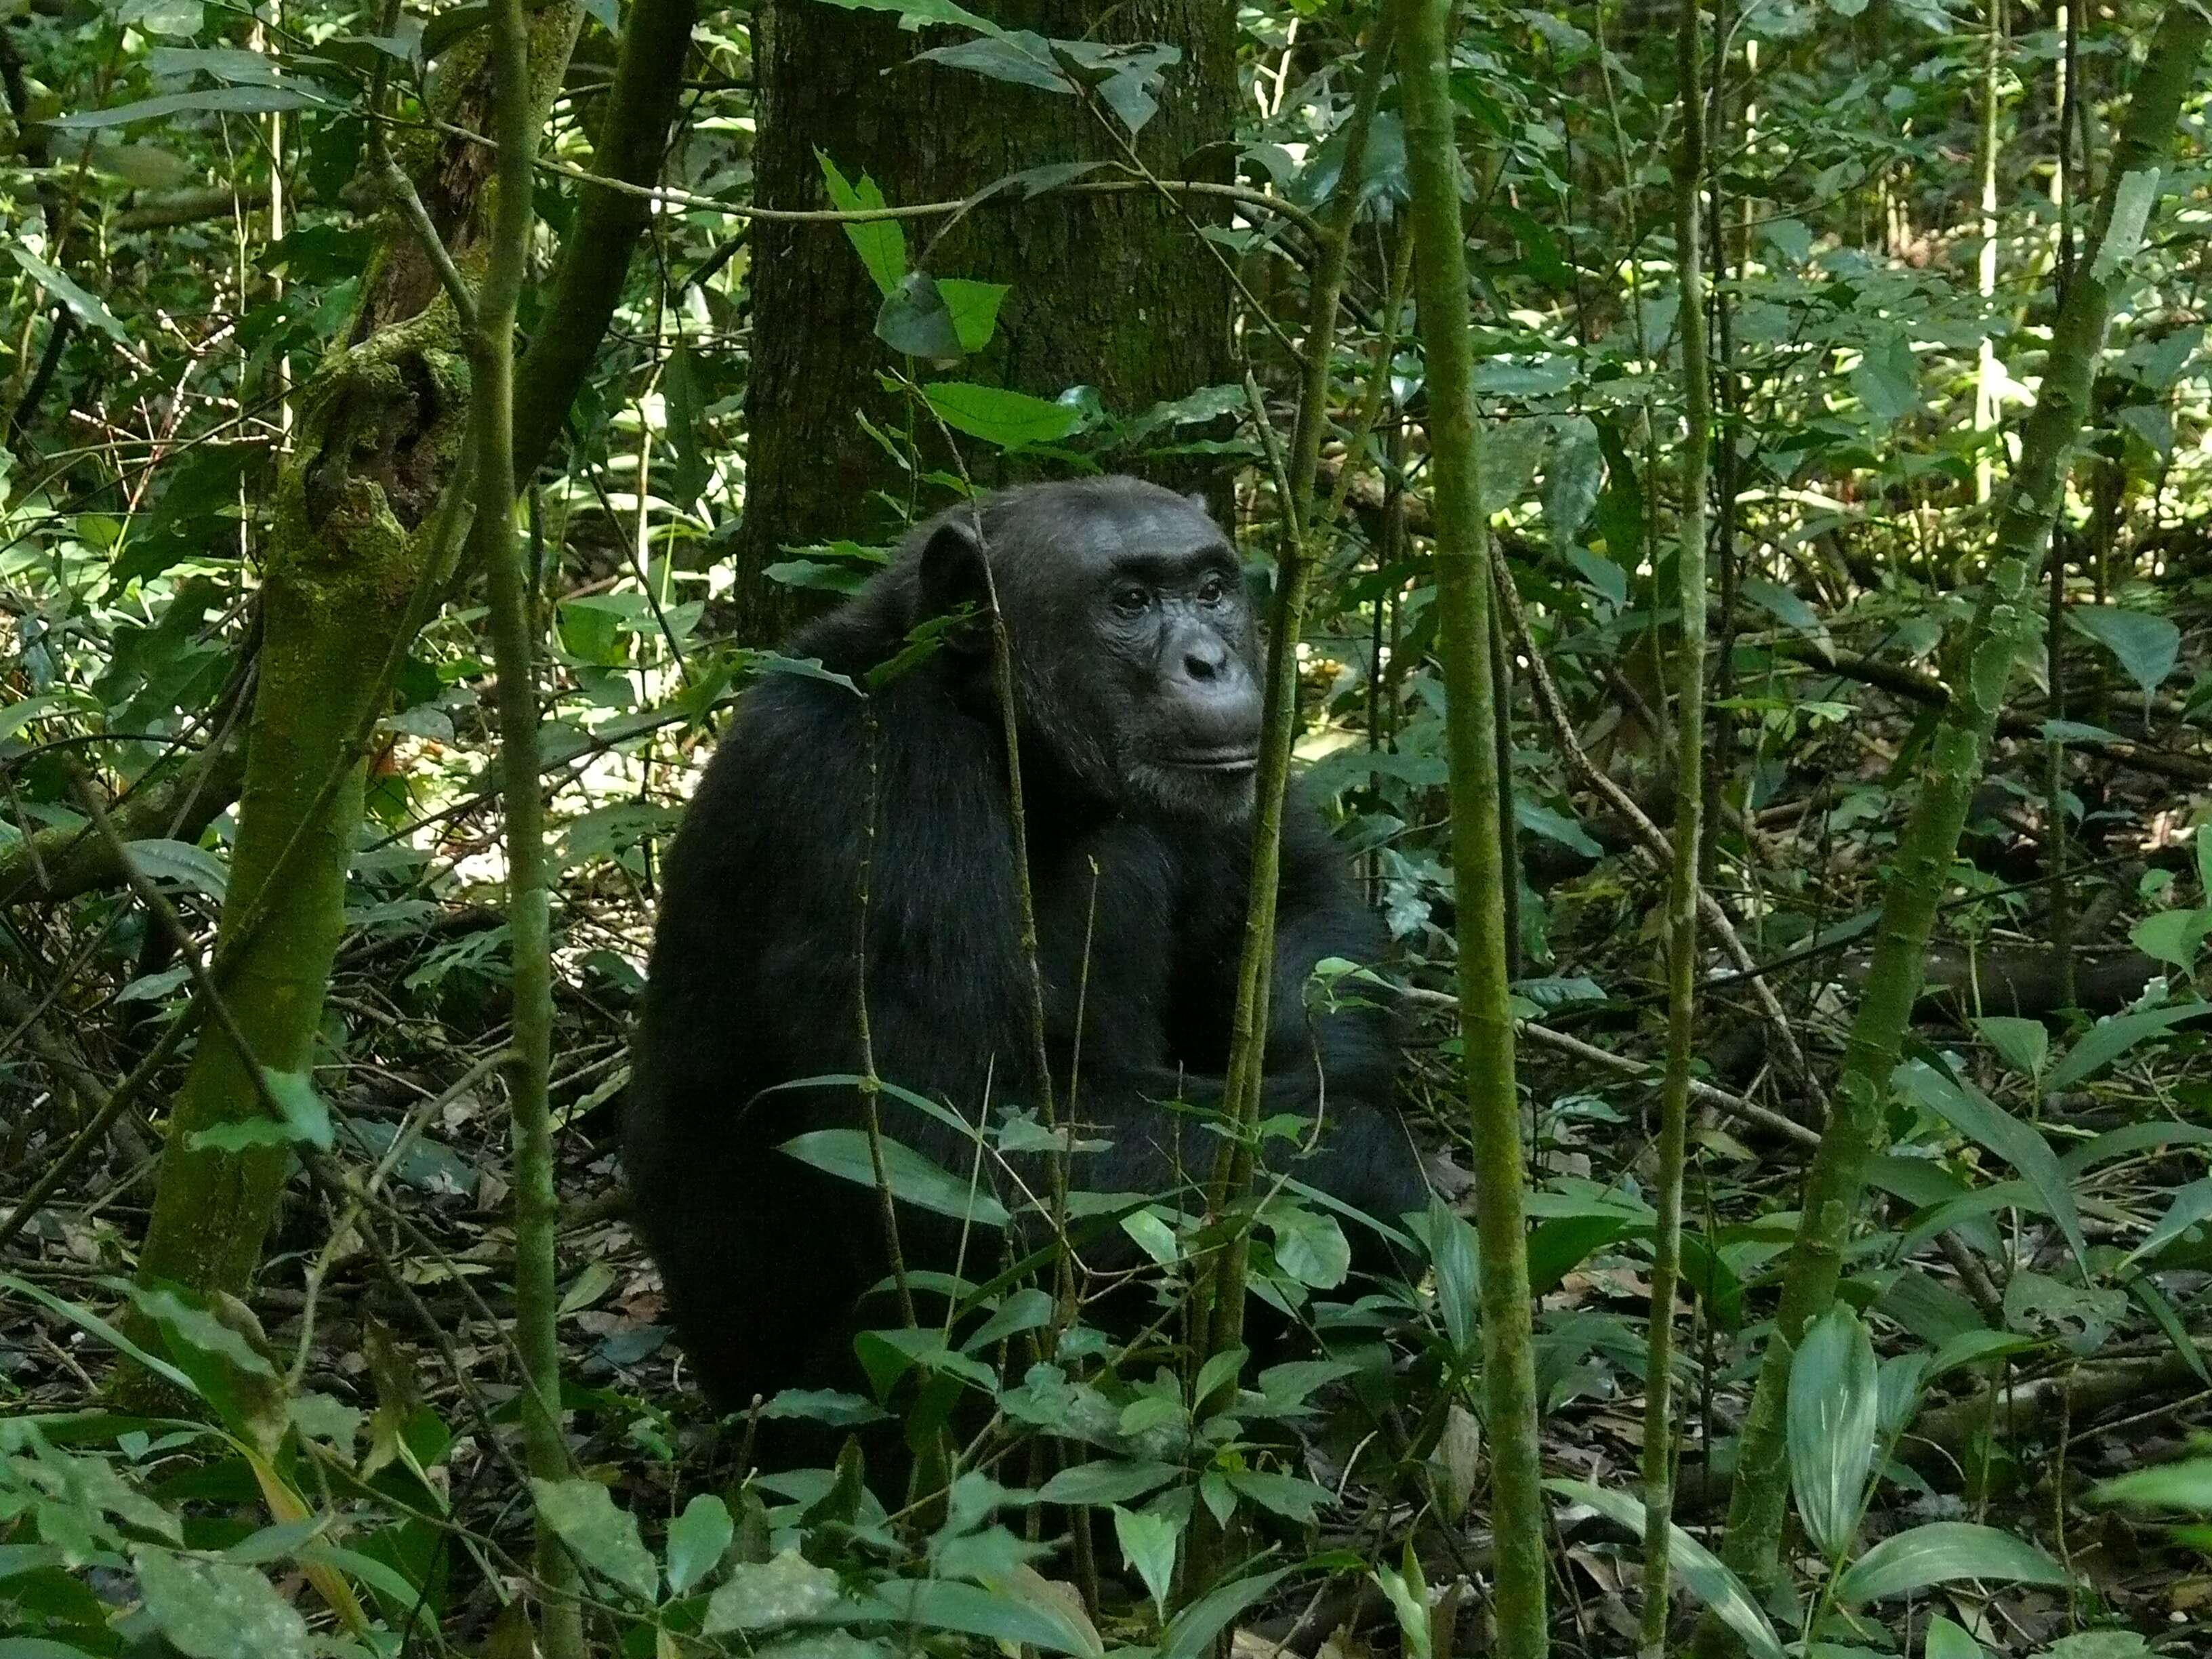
(1135, 652)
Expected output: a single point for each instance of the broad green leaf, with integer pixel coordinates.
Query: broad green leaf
(1452, 1250)
(2184, 1485)
(971, 1610)
(1011, 420)
(1288, 1495)
(2147, 647)
(598, 1534)
(1191, 1632)
(229, 100)
(181, 862)
(880, 243)
(1107, 1481)
(1309, 1247)
(82, 304)
(1942, 1552)
(1703, 1574)
(1834, 1394)
(765, 1595)
(2174, 936)
(1975, 1115)
(216, 1610)
(915, 320)
(1887, 378)
(1148, 1545)
(2190, 1206)
(1574, 467)
(912, 1177)
(1947, 1640)
(2022, 1044)
(2108, 1039)
(975, 308)
(697, 1541)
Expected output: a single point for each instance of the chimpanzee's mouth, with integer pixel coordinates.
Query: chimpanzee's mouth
(1215, 760)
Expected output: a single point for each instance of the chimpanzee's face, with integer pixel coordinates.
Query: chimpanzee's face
(1149, 647)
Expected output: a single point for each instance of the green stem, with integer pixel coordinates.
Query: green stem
(1463, 555)
(2004, 619)
(1682, 887)
(513, 638)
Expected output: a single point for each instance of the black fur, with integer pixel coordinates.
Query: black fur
(752, 978)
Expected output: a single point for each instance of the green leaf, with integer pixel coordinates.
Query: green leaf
(1148, 1545)
(2022, 1044)
(2190, 1206)
(2184, 1485)
(181, 862)
(228, 101)
(1107, 1481)
(602, 1536)
(1975, 1115)
(880, 243)
(2108, 1039)
(2147, 647)
(91, 1323)
(913, 1178)
(1573, 468)
(1888, 379)
(1010, 420)
(1309, 1246)
(1947, 1640)
(763, 1594)
(1291, 1496)
(941, 1604)
(1942, 1552)
(975, 308)
(2174, 936)
(1834, 1394)
(697, 1541)
(1191, 1632)
(1699, 1569)
(85, 307)
(215, 1610)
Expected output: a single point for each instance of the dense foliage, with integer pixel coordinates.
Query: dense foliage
(288, 1407)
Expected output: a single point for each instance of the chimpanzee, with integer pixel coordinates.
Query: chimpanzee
(1134, 647)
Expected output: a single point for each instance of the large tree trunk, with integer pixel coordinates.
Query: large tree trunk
(357, 544)
(1110, 291)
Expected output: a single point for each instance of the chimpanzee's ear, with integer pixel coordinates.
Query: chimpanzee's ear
(953, 578)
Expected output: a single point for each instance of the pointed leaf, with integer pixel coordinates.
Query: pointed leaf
(1703, 1574)
(1834, 1391)
(1942, 1552)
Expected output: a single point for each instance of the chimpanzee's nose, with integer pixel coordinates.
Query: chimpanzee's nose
(1204, 661)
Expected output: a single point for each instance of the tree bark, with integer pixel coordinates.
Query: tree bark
(1112, 291)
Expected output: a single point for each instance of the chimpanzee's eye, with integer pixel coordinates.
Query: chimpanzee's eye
(1212, 591)
(1132, 601)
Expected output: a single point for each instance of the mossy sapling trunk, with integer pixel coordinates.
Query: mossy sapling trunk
(1463, 600)
(2004, 618)
(355, 533)
(1689, 812)
(516, 121)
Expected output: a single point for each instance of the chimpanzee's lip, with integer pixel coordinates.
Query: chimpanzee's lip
(1215, 760)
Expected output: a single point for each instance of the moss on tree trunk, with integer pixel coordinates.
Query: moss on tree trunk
(356, 541)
